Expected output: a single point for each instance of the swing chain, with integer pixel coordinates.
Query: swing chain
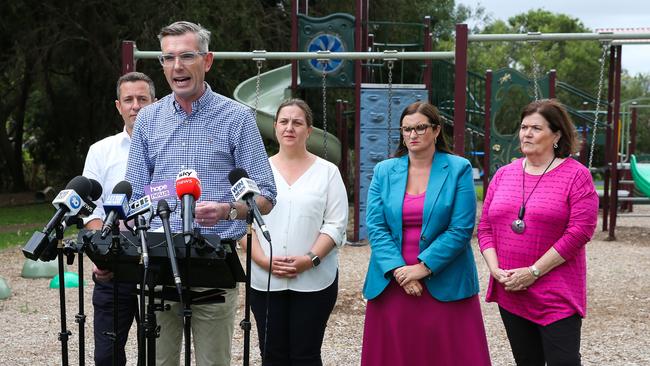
(259, 63)
(324, 63)
(536, 70)
(390, 64)
(599, 95)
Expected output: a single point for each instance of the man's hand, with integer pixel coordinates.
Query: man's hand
(102, 275)
(208, 213)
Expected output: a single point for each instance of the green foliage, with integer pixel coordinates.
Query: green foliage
(576, 62)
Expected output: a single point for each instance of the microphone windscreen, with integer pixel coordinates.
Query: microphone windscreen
(96, 190)
(81, 185)
(187, 182)
(123, 187)
(163, 206)
(236, 174)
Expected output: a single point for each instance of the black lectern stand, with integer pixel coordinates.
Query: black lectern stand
(209, 261)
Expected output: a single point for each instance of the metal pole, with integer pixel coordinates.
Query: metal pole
(552, 76)
(428, 64)
(633, 120)
(537, 36)
(294, 46)
(321, 55)
(357, 125)
(613, 200)
(460, 84)
(128, 59)
(608, 135)
(486, 130)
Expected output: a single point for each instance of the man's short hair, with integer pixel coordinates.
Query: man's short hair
(181, 27)
(136, 76)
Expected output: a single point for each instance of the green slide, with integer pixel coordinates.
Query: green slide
(274, 88)
(641, 176)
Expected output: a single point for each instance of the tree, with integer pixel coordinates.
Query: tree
(576, 62)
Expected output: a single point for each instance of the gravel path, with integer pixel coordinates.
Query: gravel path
(615, 331)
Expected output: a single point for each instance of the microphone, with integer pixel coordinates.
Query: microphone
(88, 206)
(188, 189)
(67, 203)
(116, 206)
(142, 210)
(164, 213)
(244, 188)
(141, 207)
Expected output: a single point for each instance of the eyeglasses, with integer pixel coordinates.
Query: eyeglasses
(419, 129)
(186, 58)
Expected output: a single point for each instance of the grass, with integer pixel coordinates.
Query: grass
(20, 222)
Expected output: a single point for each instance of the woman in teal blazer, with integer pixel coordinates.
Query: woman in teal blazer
(422, 282)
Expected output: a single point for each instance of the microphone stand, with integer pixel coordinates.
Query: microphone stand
(141, 228)
(245, 324)
(187, 306)
(65, 333)
(164, 217)
(115, 251)
(69, 249)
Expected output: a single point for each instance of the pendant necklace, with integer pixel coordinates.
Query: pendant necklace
(518, 226)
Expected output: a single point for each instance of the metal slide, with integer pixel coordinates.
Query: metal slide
(274, 88)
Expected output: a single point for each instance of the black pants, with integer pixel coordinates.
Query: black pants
(297, 322)
(557, 344)
(103, 320)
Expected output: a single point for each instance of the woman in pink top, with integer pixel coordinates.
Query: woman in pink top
(539, 213)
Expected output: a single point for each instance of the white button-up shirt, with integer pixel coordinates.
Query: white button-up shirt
(315, 203)
(106, 163)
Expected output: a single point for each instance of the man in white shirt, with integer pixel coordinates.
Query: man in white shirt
(106, 163)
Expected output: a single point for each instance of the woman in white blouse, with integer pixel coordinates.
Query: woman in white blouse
(307, 227)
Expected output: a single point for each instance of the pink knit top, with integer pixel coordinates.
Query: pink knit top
(561, 213)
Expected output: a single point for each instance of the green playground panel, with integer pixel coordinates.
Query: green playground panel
(641, 175)
(334, 33)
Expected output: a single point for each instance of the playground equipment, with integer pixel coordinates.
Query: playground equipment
(5, 291)
(320, 61)
(39, 269)
(641, 175)
(70, 279)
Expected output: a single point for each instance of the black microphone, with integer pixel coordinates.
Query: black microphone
(244, 188)
(67, 203)
(164, 213)
(116, 206)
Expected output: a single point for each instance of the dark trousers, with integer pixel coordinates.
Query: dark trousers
(556, 344)
(103, 320)
(296, 324)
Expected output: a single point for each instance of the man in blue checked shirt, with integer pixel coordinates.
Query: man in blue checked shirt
(196, 128)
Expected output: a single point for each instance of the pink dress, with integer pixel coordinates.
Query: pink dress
(561, 213)
(401, 329)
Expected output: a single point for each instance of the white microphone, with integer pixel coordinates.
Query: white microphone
(69, 201)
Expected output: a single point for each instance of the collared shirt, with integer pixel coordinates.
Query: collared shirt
(216, 137)
(106, 163)
(315, 203)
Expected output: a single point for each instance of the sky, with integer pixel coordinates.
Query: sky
(594, 14)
